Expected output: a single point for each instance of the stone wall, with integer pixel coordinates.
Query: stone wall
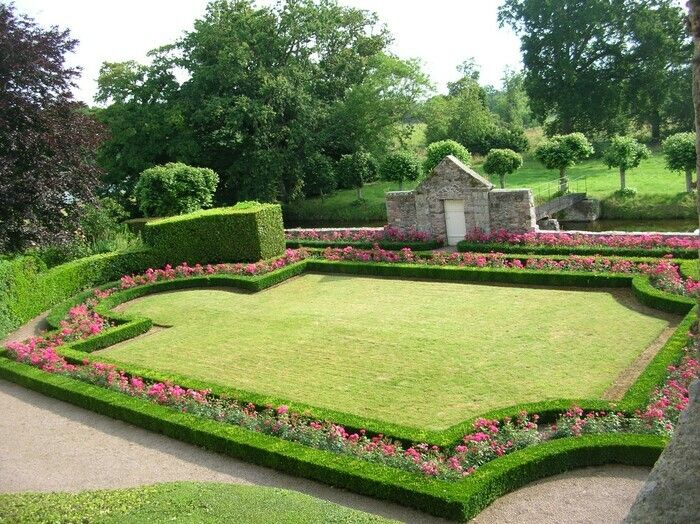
(512, 210)
(401, 209)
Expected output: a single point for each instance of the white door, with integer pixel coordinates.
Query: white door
(455, 221)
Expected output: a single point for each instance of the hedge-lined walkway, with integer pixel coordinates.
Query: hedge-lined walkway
(48, 445)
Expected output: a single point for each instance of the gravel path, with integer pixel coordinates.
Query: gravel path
(48, 445)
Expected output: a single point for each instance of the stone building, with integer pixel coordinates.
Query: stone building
(454, 199)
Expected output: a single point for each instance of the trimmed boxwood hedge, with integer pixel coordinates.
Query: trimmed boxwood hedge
(228, 234)
(459, 500)
(636, 398)
(487, 247)
(384, 244)
(27, 288)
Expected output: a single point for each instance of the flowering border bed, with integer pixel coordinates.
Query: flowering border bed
(388, 238)
(567, 244)
(474, 493)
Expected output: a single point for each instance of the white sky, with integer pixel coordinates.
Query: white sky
(441, 33)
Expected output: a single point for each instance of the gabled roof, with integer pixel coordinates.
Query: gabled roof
(452, 168)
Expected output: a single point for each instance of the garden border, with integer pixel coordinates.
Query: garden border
(390, 245)
(537, 249)
(458, 500)
(635, 398)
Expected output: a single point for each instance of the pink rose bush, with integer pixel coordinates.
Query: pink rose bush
(565, 239)
(659, 417)
(389, 233)
(663, 274)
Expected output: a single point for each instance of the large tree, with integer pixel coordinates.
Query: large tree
(47, 140)
(267, 88)
(593, 65)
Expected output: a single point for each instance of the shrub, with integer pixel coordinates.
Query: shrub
(319, 179)
(174, 189)
(436, 151)
(502, 162)
(246, 232)
(563, 151)
(356, 169)
(679, 150)
(400, 166)
(500, 137)
(625, 153)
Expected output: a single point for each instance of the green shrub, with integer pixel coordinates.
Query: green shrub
(502, 162)
(27, 288)
(437, 151)
(625, 153)
(562, 152)
(353, 171)
(175, 188)
(247, 232)
(680, 153)
(319, 177)
(400, 166)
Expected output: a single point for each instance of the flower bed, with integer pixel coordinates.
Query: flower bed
(566, 243)
(646, 241)
(388, 237)
(663, 274)
(489, 440)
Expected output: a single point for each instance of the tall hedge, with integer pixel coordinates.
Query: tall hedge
(247, 232)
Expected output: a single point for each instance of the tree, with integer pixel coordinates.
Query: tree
(319, 178)
(680, 153)
(625, 153)
(502, 162)
(174, 189)
(268, 87)
(400, 166)
(659, 59)
(572, 53)
(47, 140)
(592, 65)
(510, 103)
(356, 169)
(437, 151)
(562, 152)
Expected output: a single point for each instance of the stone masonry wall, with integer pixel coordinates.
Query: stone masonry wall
(512, 210)
(401, 209)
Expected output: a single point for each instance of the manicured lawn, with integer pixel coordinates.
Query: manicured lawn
(422, 354)
(650, 179)
(179, 502)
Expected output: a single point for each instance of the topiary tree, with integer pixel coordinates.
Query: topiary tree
(319, 178)
(400, 166)
(502, 162)
(625, 153)
(436, 151)
(563, 151)
(679, 150)
(174, 189)
(356, 169)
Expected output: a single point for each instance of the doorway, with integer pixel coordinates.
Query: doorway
(455, 223)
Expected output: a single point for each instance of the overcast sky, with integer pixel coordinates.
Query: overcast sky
(441, 33)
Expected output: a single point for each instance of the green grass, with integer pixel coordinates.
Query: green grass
(660, 193)
(421, 354)
(178, 502)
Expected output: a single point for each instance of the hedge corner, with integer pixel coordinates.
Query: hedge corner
(229, 234)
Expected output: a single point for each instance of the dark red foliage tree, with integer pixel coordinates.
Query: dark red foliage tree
(47, 139)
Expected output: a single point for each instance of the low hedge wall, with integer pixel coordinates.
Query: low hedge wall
(487, 247)
(384, 244)
(27, 288)
(459, 500)
(636, 397)
(245, 233)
